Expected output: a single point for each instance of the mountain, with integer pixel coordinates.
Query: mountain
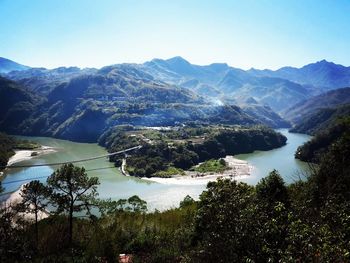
(275, 92)
(70, 100)
(264, 114)
(44, 80)
(16, 104)
(85, 106)
(313, 150)
(306, 108)
(7, 65)
(322, 74)
(278, 89)
(321, 119)
(226, 83)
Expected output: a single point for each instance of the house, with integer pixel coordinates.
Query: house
(125, 258)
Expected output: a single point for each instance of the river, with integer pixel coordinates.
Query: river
(160, 196)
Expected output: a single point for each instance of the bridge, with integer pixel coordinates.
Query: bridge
(67, 162)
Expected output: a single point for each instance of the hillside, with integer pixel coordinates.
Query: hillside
(43, 81)
(182, 148)
(163, 92)
(304, 109)
(223, 82)
(321, 119)
(279, 89)
(313, 150)
(16, 104)
(323, 74)
(82, 108)
(7, 65)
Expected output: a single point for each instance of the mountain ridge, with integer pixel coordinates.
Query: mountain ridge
(7, 65)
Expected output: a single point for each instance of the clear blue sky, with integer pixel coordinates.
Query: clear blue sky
(246, 33)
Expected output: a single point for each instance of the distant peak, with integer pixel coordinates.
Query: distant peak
(177, 59)
(7, 65)
(219, 64)
(323, 61)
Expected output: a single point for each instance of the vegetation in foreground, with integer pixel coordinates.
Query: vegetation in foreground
(307, 221)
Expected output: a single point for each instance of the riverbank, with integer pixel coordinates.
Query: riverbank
(22, 155)
(122, 168)
(237, 169)
(16, 198)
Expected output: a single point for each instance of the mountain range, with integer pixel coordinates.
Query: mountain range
(7, 66)
(319, 112)
(64, 102)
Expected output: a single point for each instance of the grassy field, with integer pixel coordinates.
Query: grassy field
(212, 166)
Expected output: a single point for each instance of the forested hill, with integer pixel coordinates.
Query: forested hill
(322, 116)
(279, 89)
(304, 109)
(16, 105)
(9, 144)
(182, 148)
(220, 81)
(321, 119)
(82, 107)
(313, 150)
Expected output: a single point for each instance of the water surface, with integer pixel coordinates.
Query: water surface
(161, 196)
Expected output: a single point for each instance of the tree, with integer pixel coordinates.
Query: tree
(272, 189)
(188, 201)
(72, 191)
(137, 204)
(332, 180)
(224, 224)
(272, 203)
(35, 200)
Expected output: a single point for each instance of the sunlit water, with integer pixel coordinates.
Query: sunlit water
(161, 196)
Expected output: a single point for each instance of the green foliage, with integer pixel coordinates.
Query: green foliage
(169, 172)
(133, 204)
(15, 235)
(272, 189)
(321, 120)
(183, 148)
(188, 201)
(307, 221)
(223, 232)
(212, 166)
(332, 179)
(26, 145)
(137, 204)
(7, 144)
(35, 200)
(314, 149)
(72, 191)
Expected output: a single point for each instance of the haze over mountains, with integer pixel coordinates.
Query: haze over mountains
(64, 102)
(7, 65)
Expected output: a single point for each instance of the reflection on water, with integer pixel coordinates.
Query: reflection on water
(114, 185)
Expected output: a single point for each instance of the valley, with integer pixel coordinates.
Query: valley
(159, 196)
(174, 131)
